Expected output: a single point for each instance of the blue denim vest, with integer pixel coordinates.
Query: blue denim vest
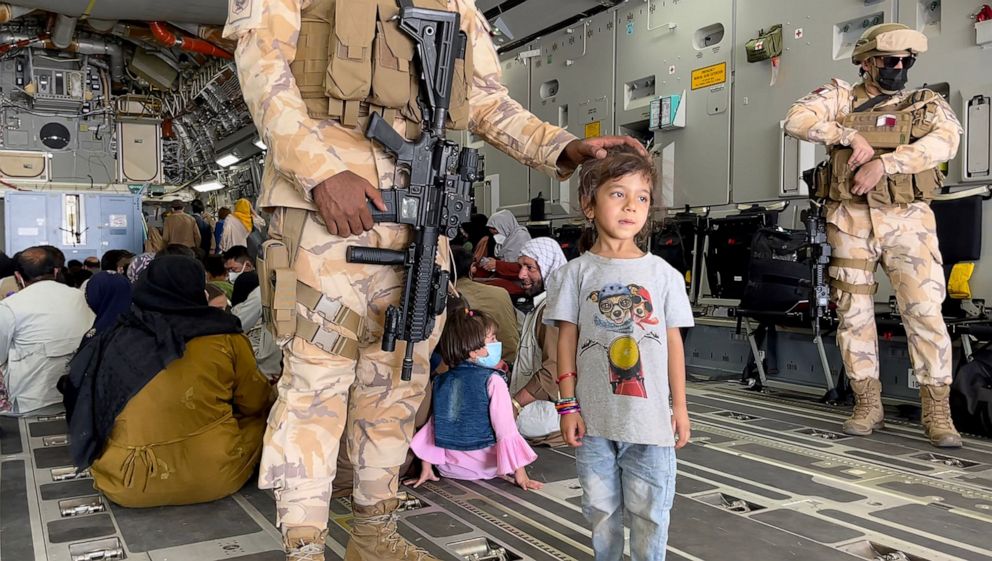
(461, 408)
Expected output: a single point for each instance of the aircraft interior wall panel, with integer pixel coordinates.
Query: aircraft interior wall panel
(953, 57)
(512, 179)
(572, 87)
(654, 59)
(102, 221)
(57, 121)
(84, 156)
(815, 49)
(30, 218)
(80, 167)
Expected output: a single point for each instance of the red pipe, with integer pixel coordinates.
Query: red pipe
(12, 186)
(189, 44)
(23, 43)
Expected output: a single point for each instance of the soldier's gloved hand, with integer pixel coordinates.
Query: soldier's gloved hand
(342, 202)
(862, 151)
(868, 177)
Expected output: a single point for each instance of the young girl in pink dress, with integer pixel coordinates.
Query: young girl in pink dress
(472, 434)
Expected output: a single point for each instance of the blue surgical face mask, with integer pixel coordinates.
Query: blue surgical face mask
(494, 356)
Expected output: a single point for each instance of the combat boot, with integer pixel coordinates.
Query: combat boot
(304, 543)
(868, 413)
(937, 423)
(374, 536)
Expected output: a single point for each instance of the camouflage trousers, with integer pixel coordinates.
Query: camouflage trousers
(322, 393)
(903, 239)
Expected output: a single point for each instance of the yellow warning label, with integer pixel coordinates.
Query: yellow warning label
(593, 129)
(709, 76)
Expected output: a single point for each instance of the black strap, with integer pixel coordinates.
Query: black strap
(405, 3)
(866, 106)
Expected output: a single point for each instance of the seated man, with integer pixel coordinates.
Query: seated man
(40, 329)
(246, 302)
(533, 383)
(164, 423)
(490, 299)
(237, 260)
(92, 264)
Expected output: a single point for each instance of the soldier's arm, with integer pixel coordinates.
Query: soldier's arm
(266, 38)
(814, 117)
(938, 146)
(496, 117)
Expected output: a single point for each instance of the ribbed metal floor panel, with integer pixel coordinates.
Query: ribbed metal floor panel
(767, 478)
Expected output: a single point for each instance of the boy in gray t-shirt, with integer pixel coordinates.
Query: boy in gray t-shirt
(622, 308)
(620, 360)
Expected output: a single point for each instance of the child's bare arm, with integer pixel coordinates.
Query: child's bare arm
(573, 428)
(568, 340)
(676, 384)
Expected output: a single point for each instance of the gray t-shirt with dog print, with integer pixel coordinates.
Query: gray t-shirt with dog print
(622, 308)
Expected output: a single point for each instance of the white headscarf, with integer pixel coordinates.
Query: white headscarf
(514, 235)
(547, 252)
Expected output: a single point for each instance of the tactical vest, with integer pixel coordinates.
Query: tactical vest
(885, 129)
(352, 58)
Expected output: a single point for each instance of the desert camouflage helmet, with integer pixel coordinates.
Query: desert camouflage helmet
(888, 39)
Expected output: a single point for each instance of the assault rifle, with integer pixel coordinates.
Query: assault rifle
(432, 187)
(819, 255)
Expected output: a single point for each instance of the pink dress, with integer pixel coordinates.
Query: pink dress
(509, 453)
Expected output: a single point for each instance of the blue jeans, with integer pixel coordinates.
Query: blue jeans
(636, 478)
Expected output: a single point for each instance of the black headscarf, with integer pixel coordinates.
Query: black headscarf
(243, 287)
(169, 309)
(109, 296)
(7, 266)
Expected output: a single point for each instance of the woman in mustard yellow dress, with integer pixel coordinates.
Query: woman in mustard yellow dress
(171, 407)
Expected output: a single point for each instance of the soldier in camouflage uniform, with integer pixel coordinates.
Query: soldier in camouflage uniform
(311, 72)
(886, 144)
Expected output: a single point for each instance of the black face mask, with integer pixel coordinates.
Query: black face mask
(891, 80)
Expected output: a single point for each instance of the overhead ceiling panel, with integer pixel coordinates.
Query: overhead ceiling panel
(185, 11)
(518, 20)
(522, 18)
(486, 5)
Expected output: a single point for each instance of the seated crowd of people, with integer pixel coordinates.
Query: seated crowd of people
(160, 382)
(167, 370)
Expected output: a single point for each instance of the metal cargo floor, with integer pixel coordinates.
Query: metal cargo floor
(767, 478)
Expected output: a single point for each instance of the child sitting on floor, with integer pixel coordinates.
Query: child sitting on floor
(472, 434)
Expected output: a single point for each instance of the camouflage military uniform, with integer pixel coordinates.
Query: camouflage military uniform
(901, 236)
(320, 392)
